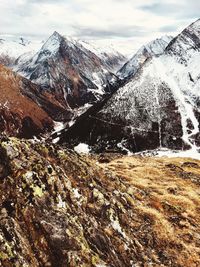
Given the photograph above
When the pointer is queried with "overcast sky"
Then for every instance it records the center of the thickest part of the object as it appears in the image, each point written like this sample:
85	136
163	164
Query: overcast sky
117	20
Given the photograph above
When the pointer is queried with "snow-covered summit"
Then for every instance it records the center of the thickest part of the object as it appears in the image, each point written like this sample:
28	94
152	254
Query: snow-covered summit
64	67
164	92
53	43
186	43
157	46
12	48
153	48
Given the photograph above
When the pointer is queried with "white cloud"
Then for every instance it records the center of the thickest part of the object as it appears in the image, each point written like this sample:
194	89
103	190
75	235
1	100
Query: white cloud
138	20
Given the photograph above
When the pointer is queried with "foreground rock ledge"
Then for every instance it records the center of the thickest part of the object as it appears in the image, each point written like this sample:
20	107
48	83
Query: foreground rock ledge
62	209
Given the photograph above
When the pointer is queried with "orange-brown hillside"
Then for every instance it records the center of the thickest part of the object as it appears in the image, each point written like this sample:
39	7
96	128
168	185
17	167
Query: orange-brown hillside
19	114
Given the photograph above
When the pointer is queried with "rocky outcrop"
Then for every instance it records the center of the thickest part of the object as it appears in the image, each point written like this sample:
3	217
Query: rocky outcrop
58	208
184	45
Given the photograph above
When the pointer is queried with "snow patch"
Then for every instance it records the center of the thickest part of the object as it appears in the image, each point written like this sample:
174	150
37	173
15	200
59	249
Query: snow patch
58	126
165	152
76	193
192	153
82	148
61	204
55	140
121	145
28	175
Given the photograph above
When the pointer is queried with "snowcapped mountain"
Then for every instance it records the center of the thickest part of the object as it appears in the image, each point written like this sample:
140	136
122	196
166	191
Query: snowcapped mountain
157	107
186	43
65	68
12	48
154	48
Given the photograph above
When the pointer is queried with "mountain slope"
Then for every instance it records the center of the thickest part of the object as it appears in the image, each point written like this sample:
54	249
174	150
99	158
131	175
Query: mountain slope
62	209
154	48
69	71
110	57
158	107
184	45
113	60
19	115
25	110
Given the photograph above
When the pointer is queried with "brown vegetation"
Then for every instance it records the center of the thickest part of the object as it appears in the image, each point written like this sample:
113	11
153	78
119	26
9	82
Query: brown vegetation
14	104
59	209
166	203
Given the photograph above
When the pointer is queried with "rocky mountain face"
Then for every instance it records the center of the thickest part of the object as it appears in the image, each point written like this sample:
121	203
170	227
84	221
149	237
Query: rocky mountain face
67	70
24	109
186	43
154	48
158	107
62	209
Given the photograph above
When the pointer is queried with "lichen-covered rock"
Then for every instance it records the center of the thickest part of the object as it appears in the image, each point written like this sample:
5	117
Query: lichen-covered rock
58	208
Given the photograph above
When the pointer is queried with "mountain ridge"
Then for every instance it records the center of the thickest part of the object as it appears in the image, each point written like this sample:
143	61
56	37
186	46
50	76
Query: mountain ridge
158	106
75	74
153	48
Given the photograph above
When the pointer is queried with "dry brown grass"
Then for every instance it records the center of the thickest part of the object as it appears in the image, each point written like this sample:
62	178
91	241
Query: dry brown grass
166	196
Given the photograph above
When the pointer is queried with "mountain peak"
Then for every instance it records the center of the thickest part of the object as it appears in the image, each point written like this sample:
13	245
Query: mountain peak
69	70
195	25
56	34
53	43
153	48
187	42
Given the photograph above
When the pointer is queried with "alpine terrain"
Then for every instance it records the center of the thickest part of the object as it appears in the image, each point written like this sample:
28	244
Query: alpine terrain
62	209
66	69
154	48
68	78
157	107
99	152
